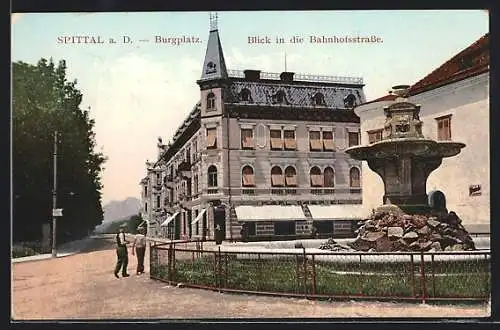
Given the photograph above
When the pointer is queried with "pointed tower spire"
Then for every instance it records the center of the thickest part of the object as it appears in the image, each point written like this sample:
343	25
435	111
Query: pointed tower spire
214	66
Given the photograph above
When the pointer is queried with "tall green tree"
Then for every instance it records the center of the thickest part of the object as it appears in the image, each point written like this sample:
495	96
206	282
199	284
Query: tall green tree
44	101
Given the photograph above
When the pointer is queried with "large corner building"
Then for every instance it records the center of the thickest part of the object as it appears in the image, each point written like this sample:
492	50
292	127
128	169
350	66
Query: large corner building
259	148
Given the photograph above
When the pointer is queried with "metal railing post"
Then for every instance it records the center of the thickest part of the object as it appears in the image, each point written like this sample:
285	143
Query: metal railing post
433	277
313	274
412	271
304	265
360	275
170	261
422	278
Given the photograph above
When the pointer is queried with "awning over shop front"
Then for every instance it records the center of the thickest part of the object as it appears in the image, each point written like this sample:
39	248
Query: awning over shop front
337	212
270	213
169	219
199	216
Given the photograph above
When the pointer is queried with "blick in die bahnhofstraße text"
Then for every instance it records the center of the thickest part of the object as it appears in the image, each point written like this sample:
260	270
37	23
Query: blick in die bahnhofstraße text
316	39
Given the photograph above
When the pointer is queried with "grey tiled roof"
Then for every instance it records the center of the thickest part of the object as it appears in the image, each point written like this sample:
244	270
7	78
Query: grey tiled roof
214	66
294	95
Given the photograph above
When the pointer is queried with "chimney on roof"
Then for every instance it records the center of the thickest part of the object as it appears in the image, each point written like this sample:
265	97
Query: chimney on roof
286	76
252	75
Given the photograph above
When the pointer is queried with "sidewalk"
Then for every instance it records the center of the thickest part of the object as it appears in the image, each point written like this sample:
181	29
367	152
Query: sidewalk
63	250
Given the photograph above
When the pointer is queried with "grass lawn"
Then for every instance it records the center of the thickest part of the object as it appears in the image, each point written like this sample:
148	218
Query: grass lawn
469	278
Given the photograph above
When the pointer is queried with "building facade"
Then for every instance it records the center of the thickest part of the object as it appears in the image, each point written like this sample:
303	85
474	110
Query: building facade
260	149
454	103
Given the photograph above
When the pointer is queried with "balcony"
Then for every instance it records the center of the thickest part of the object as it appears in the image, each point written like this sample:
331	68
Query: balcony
168	182
157	185
169	208
184	170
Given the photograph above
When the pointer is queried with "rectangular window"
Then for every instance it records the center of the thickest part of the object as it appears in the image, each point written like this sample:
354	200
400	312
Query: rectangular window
328	144
290	143
291	180
195	184
248	180
284	228
353	139
323	227
315	141
316	180
276	141
197	232
211	138
195	150
251	228
444	128
247	138
277	180
374	136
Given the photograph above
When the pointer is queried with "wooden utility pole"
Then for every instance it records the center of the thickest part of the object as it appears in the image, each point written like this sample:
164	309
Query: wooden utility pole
54	199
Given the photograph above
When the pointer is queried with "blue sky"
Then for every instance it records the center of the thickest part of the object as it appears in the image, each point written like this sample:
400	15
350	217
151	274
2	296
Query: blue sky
140	91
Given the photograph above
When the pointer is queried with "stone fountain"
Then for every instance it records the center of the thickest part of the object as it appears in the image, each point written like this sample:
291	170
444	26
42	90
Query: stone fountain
404	159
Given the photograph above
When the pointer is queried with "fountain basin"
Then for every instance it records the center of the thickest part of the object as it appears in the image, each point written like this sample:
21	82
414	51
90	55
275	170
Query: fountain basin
401	147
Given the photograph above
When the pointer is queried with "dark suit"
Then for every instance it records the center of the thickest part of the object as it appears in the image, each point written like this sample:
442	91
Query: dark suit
122	255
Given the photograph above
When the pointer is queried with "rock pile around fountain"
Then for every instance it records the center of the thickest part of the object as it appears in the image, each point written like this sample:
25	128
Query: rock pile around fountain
387	231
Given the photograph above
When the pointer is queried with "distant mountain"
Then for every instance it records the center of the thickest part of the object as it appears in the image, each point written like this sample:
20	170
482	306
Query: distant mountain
118	210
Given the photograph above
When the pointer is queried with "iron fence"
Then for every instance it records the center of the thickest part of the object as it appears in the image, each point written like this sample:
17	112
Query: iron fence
392	275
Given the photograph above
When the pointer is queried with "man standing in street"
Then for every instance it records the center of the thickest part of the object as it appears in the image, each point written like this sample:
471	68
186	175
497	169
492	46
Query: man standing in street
121	253
139	247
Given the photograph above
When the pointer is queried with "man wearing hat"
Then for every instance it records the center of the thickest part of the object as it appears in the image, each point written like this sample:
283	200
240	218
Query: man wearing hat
139	247
121	252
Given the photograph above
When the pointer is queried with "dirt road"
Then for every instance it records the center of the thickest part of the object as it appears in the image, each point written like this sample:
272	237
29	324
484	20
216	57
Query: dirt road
82	286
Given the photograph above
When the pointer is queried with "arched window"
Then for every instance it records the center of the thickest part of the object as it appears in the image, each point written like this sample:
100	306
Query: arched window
354	178
212	176
247	177
276	177
290	177
210	101
316	177
329	177
245	95
319	99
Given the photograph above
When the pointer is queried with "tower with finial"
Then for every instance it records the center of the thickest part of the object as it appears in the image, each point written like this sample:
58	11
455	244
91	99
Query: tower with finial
213	85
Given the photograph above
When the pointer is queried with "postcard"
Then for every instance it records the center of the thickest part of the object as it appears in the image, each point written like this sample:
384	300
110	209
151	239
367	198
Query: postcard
247	165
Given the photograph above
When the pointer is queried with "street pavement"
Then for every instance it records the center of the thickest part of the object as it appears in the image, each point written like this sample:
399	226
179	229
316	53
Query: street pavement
81	286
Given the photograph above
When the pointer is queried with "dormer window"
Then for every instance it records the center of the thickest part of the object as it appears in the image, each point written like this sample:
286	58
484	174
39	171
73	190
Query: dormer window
245	95
319	99
211	68
280	97
210	101
350	101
